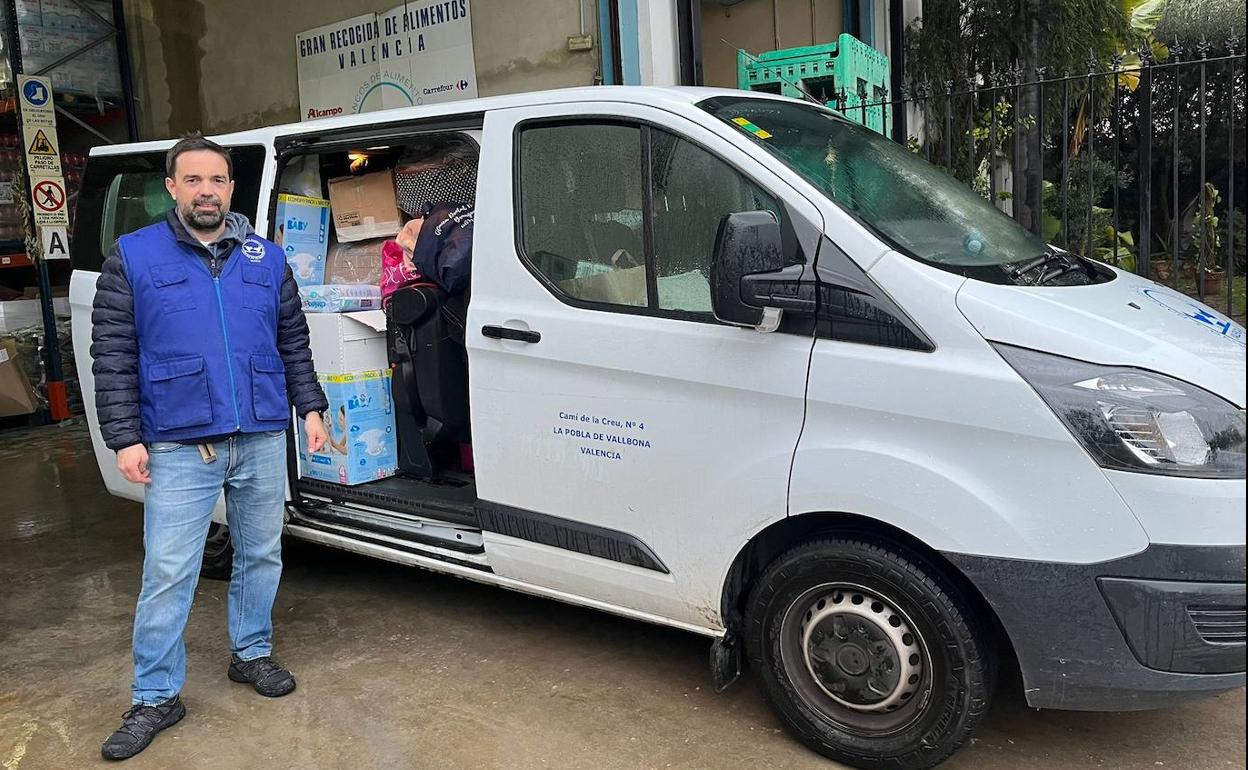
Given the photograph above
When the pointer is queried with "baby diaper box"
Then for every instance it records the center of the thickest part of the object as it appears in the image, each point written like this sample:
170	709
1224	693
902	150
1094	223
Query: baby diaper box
362	442
303	233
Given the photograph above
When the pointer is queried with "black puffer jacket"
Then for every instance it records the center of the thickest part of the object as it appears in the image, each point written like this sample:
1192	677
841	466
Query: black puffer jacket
115	348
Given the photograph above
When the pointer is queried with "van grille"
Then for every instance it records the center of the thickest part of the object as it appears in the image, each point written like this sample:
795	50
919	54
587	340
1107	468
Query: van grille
1218	625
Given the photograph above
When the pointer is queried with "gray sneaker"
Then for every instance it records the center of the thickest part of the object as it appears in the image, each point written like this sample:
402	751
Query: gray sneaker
139	726
265	674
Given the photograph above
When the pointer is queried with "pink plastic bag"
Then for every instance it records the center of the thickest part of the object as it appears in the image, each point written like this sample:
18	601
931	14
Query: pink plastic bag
397	270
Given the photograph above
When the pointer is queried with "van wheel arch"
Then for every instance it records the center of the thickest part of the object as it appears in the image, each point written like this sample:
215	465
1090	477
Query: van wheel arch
752	561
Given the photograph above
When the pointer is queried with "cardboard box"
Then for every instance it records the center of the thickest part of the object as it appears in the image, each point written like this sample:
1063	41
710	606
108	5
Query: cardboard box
348	342
16	395
303	234
363	444
358	262
364	206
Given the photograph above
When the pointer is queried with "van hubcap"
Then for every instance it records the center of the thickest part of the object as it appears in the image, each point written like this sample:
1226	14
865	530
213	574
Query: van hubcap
858	654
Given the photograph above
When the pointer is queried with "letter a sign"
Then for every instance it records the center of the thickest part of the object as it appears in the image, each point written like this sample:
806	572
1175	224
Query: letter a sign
55	243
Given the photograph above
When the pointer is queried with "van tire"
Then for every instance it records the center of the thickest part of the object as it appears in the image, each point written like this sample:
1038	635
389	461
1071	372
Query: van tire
796	623
218	561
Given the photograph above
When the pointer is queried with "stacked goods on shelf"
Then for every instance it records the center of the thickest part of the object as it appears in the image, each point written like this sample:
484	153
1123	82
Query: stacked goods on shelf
10	210
50	30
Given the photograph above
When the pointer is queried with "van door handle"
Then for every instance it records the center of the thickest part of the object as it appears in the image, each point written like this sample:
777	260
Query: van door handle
507	333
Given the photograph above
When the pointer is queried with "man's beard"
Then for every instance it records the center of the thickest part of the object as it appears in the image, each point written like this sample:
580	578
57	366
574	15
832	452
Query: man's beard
205	221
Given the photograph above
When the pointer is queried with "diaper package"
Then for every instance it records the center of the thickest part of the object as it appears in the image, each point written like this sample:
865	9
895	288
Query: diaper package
303	234
340	298
362	442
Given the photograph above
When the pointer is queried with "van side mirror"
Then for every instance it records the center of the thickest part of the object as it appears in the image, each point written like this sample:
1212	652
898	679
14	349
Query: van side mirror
748	276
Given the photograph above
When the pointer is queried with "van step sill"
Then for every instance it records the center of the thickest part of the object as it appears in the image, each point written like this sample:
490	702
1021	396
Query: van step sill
454	505
431	534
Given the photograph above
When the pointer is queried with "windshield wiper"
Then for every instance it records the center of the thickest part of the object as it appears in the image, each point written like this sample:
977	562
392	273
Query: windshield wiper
1070	267
1044	260
1067	262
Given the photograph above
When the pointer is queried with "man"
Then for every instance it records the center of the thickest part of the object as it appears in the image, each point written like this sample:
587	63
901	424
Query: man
200	348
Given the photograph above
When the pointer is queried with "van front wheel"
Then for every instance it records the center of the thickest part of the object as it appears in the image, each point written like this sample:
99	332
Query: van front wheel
218	553
868	654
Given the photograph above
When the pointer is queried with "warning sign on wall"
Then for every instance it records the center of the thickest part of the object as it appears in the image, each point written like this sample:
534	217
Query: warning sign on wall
42	156
41	145
48	196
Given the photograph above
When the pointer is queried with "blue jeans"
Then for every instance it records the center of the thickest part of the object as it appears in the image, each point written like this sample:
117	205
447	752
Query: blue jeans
177	510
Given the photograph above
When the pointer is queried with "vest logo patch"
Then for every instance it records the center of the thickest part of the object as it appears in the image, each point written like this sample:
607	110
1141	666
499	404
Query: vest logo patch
253	249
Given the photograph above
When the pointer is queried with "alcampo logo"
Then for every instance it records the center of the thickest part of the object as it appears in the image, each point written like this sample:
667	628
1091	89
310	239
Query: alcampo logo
314	113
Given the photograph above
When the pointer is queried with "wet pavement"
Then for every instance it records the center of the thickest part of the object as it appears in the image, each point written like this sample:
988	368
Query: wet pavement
401	668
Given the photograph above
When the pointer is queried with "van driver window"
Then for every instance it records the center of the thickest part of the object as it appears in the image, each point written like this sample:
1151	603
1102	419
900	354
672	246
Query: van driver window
692	193
581	205
584	200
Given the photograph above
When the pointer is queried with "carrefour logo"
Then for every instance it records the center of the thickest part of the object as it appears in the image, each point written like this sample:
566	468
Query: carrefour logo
462	85
1207	318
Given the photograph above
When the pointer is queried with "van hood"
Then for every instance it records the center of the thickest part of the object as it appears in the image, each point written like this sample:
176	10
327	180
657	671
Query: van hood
1129	321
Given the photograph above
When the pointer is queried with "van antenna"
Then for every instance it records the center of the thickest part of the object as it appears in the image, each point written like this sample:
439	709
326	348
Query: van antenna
795	83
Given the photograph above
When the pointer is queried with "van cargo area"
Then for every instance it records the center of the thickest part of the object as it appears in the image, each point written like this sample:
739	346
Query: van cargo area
396	378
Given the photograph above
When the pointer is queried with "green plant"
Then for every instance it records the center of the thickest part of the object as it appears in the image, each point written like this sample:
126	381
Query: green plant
981	135
1114	247
1206	233
1081	199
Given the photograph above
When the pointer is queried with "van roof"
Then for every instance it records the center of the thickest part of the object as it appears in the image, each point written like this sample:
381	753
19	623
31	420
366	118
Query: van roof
674	97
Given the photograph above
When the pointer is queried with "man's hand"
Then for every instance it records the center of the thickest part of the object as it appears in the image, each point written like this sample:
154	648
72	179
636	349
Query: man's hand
314	426
132	462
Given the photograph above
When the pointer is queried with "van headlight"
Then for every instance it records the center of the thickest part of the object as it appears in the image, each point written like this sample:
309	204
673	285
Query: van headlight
1136	420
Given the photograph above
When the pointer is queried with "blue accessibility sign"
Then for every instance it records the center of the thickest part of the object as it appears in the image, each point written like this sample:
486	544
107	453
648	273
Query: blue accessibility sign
35	93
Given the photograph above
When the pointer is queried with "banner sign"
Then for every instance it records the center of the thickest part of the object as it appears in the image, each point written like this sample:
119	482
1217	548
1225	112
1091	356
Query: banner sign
416	53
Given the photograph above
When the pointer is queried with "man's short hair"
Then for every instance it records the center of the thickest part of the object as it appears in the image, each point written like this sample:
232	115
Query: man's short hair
196	141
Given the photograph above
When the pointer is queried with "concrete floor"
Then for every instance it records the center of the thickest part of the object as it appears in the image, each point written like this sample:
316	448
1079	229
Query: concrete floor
399	668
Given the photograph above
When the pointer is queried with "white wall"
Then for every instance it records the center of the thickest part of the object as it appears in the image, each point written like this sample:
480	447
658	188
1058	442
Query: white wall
658	42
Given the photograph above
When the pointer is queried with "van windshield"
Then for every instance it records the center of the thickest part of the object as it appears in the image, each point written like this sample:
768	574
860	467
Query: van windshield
914	206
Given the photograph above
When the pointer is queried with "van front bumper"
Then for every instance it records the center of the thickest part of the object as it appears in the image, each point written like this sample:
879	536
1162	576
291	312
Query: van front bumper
1152	630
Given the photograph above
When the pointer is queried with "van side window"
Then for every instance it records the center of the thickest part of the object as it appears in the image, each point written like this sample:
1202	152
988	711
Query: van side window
692	193
625	215
122	193
132	201
581	209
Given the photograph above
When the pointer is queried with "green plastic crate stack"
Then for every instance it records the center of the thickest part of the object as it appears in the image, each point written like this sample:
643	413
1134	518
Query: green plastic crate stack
838	74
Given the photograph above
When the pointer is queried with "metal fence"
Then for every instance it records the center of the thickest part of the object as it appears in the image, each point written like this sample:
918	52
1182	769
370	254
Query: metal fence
1139	163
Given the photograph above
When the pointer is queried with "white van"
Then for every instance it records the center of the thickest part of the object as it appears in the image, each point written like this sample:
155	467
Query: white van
739	366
